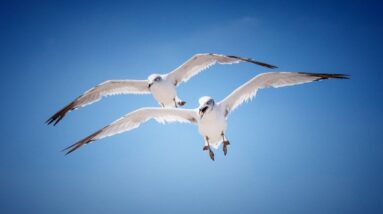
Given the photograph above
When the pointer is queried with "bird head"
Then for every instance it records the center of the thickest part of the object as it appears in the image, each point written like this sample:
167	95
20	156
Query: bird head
153	79
206	104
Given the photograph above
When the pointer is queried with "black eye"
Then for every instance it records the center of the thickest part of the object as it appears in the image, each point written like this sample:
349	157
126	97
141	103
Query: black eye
157	79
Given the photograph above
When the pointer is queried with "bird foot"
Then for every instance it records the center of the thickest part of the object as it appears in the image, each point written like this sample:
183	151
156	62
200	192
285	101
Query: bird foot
224	150
211	154
181	103
225	144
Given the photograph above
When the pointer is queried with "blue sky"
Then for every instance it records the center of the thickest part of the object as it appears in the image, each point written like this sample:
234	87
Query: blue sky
314	148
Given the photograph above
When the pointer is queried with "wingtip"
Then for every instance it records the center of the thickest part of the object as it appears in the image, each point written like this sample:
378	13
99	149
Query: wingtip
49	121
72	148
58	120
58	116
345	76
68	152
80	143
322	76
263	64
271	66
54	120
254	62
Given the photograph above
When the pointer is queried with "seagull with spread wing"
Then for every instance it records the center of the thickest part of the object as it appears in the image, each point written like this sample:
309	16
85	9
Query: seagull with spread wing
210	117
162	87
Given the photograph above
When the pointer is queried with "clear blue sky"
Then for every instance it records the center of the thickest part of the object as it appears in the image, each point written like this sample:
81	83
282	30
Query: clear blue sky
314	148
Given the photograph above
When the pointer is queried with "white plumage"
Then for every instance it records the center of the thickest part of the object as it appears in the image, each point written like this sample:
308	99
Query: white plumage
162	87
210	117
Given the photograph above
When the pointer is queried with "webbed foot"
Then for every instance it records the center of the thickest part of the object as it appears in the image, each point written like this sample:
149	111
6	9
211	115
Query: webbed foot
225	144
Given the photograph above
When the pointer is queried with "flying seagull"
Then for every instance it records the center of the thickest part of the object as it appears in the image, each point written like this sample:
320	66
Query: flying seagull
161	86
210	117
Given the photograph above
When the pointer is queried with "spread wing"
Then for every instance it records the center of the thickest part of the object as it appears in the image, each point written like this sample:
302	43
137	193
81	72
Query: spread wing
134	119
107	88
200	62
272	79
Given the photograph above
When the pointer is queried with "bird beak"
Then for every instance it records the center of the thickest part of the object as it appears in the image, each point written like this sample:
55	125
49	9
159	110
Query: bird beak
202	111
150	85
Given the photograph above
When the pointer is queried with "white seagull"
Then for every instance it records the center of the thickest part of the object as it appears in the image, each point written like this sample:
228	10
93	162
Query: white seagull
210	117
161	86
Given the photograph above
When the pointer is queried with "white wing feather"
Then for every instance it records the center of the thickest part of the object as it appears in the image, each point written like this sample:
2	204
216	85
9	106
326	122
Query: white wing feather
134	119
200	62
272	79
112	87
107	88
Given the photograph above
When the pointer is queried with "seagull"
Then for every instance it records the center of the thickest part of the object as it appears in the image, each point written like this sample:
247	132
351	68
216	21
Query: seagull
210	117
161	86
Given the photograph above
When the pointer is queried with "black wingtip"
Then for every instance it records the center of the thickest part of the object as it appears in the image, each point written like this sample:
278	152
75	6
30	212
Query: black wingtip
322	76
74	147
67	148
58	116
254	62
82	142
54	120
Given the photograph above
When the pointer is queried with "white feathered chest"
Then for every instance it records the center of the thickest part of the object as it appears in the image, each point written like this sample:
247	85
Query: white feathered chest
164	92
212	124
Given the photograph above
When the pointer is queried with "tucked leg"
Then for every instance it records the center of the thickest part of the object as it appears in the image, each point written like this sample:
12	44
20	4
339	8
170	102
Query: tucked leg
225	144
175	102
180	102
207	147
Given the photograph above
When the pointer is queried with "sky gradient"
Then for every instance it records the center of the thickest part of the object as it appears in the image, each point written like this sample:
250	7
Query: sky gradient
313	148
